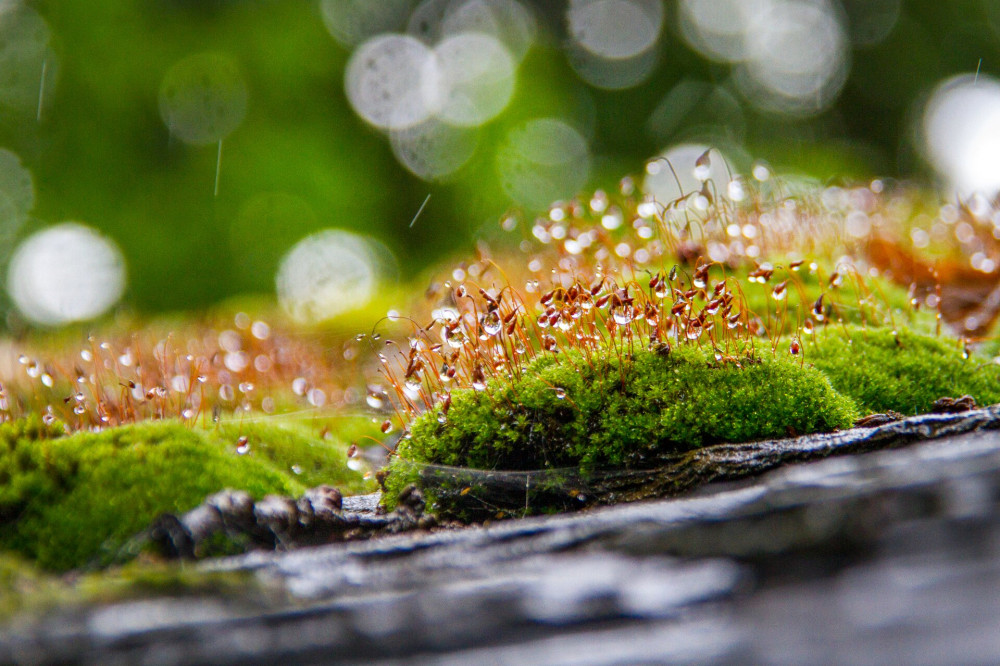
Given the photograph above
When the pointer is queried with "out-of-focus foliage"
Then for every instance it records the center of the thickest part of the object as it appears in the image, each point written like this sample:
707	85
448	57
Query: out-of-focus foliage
206	139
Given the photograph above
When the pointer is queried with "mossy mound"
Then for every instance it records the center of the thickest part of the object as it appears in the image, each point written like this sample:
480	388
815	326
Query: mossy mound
902	371
872	301
69	501
568	411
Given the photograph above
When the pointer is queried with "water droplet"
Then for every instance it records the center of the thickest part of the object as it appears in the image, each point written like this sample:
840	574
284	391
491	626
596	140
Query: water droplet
560	393
623	314
226	392
296	469
243	445
375	399
442	419
47	380
260	330
299	386
316	397
491	323
245	387
780	291
808	327
386	427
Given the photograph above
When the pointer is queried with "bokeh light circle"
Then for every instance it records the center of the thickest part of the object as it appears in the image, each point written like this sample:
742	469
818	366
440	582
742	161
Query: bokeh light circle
385	81
66	273
433	150
797	57
542	160
470	77
961	133
331	272
203	98
506	20
615	29
613	43
661	182
17	194
25	53
350	22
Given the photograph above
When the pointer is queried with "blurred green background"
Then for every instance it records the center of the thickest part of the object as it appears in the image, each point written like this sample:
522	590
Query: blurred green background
86	89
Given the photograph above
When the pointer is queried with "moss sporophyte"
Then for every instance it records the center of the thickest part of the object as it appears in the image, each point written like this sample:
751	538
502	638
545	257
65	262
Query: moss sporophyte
629	344
621	334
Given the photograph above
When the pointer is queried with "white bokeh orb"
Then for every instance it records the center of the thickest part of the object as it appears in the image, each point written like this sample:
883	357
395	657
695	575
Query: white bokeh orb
961	133
385	81
470	78
329	273
65	273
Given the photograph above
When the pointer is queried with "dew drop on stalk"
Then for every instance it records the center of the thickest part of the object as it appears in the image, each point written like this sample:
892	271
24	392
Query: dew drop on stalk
187	414
441	418
243	445
299	385
694	330
374	399
47	380
386	427
560	393
79	410
817	309
794	348
807	326
226	392
491	323
780	291
623	314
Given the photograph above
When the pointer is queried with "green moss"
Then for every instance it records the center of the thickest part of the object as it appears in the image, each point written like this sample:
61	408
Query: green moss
75	500
618	413
904	372
876	301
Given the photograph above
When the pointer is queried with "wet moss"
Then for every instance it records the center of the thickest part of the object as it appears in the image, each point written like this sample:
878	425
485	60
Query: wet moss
69	501
621	411
903	371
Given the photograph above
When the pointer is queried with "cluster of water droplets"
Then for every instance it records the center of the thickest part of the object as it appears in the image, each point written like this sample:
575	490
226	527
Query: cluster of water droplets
201	373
